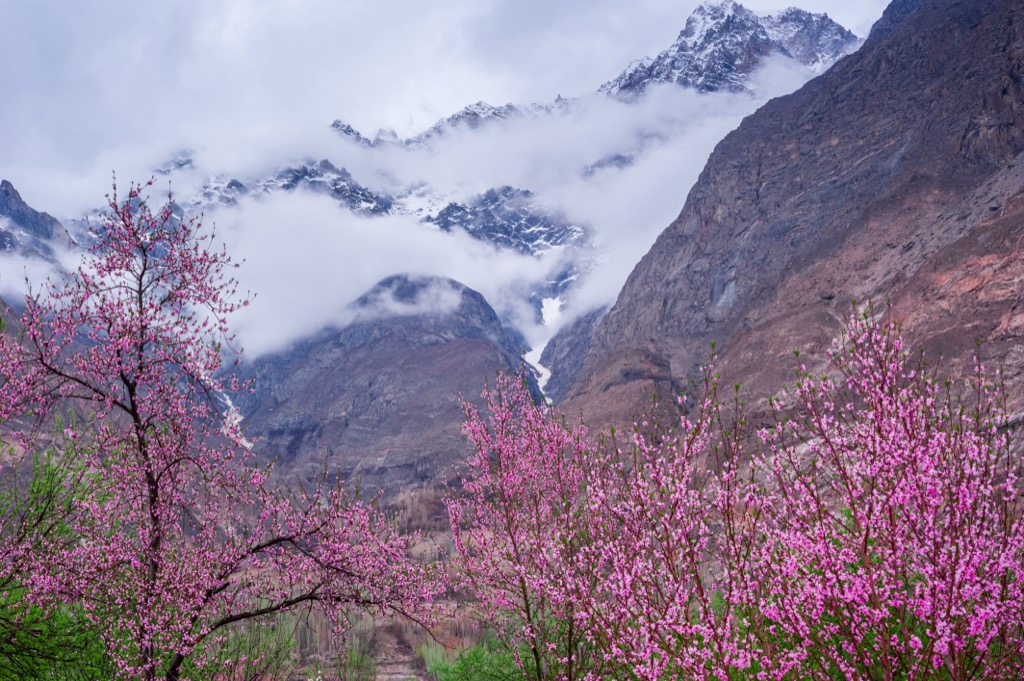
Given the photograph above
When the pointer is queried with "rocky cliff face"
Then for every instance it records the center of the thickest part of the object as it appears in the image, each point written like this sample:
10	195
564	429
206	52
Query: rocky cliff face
895	175
24	229
564	353
378	400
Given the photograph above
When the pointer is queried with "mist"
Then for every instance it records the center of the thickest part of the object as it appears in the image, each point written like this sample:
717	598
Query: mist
307	258
244	89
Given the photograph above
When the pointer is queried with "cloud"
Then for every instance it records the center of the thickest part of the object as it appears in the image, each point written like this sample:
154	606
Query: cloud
118	85
668	135
306	259
431	296
247	86
20	275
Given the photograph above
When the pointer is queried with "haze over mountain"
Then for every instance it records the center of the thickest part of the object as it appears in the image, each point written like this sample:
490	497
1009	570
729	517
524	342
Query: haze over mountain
511	220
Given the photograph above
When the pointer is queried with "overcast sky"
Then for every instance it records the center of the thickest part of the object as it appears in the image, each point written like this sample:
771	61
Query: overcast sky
90	86
87	88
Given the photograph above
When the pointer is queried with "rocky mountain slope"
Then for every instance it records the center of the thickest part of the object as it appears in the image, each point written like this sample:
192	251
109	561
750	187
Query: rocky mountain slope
897	175
24	230
378	400
564	354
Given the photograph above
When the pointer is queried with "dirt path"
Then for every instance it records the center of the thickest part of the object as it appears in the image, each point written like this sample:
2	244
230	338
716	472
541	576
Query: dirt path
396	660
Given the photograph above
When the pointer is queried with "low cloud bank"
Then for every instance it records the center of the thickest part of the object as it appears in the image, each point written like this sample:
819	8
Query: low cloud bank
306	260
217	82
622	170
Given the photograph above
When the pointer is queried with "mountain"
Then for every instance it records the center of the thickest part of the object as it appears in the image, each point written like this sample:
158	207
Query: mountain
723	43
316	176
25	230
378	400
564	354
481	114
897	175
511	218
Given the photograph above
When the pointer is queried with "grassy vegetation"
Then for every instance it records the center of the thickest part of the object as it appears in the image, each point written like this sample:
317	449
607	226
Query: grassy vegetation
487	660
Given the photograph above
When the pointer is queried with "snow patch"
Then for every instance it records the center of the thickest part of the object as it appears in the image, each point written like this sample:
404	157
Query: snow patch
551	311
543	373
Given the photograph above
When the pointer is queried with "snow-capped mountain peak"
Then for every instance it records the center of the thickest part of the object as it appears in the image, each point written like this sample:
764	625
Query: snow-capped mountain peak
812	39
708	20
481	113
513	219
346	130
723	42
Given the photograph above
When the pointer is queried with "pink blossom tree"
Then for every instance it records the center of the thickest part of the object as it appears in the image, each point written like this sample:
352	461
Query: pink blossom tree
593	558
873	533
184	539
672	514
517	527
896	548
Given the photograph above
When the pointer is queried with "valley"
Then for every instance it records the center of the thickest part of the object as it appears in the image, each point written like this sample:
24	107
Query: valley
764	194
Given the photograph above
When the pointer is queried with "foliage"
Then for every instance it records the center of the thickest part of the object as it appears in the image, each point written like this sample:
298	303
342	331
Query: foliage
53	644
896	547
261	648
185	538
485	661
356	661
515	529
874	532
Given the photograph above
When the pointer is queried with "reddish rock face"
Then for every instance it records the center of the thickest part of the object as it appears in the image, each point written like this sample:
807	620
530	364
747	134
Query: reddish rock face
971	290
896	176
